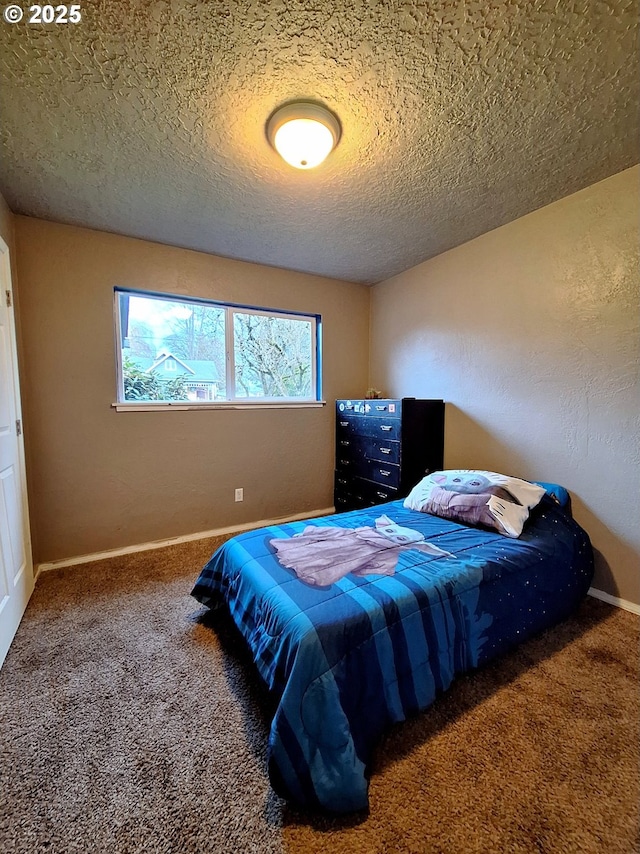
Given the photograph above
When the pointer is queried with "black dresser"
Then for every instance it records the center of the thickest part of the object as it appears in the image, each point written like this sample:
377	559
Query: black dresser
384	447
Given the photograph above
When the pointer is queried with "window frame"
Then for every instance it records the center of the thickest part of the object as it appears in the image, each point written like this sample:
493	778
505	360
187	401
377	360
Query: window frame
230	309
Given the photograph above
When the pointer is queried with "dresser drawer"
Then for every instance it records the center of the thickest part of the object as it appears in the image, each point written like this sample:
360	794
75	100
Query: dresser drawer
369	493
350	465
349	425
344	489
349	445
344	501
383	408
387	451
343	481
381	428
368	426
384	473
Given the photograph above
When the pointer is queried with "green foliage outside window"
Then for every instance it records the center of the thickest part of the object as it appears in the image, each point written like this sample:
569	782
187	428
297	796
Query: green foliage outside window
146	385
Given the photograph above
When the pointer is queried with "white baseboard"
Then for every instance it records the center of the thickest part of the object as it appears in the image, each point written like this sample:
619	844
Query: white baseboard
235	529
187	538
614	600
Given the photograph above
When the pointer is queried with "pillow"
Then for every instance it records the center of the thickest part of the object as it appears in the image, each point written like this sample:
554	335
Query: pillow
477	498
557	492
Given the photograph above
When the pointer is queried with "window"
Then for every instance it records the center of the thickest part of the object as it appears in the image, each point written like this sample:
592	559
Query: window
192	351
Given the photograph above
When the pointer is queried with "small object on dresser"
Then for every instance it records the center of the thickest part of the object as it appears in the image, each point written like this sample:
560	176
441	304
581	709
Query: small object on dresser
373	394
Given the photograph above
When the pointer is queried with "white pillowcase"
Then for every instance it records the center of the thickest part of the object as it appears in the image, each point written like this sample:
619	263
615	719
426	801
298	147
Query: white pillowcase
477	498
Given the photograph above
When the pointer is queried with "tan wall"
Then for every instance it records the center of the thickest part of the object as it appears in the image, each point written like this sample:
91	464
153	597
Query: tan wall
530	333
100	479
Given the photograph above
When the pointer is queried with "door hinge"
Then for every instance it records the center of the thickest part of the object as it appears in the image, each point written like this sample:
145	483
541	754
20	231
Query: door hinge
8	293
19	427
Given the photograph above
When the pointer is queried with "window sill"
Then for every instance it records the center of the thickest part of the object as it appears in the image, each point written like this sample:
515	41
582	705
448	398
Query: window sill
150	406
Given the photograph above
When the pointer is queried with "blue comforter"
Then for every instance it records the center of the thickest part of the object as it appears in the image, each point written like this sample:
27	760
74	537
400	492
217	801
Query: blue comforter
349	653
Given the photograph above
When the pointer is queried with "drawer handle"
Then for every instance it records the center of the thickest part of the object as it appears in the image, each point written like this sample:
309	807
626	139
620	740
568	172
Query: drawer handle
382	494
385	450
386	427
345	442
381	408
384	473
344	423
345	462
343	481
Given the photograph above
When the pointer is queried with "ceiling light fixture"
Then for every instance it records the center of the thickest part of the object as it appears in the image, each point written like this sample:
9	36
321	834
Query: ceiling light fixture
303	133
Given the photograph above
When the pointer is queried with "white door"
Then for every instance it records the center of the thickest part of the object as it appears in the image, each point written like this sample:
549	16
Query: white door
16	568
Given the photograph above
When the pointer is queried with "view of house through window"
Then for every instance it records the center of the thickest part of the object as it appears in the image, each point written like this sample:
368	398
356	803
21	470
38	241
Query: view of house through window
176	349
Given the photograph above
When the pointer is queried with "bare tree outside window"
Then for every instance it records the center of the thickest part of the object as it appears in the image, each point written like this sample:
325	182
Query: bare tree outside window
273	356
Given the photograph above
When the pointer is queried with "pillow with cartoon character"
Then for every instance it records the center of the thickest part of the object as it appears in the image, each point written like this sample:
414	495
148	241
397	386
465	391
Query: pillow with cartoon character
477	498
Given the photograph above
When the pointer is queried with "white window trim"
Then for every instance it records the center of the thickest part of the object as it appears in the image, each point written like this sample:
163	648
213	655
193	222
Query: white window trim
153	406
121	405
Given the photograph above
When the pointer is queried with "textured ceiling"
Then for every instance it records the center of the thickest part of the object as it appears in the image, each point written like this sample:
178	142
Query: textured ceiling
148	119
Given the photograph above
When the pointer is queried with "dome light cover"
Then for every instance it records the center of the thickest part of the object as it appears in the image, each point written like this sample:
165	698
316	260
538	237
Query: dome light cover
303	133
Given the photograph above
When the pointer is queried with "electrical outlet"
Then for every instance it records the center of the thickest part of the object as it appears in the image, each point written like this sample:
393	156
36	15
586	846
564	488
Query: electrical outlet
240	494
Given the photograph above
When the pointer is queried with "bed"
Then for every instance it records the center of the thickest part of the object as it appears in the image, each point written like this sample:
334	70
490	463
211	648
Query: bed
360	619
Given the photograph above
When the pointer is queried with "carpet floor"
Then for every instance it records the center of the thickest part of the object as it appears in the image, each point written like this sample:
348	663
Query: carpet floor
132	720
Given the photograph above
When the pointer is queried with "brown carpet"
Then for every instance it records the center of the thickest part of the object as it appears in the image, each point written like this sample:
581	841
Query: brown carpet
130	723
